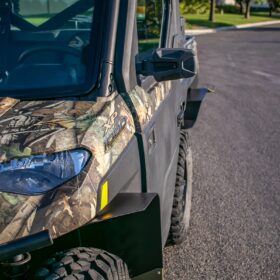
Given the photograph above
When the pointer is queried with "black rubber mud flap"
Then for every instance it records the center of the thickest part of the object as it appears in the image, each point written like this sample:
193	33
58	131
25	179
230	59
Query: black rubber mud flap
130	228
195	97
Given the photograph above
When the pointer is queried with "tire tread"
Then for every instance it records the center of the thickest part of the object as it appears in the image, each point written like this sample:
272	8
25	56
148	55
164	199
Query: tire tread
83	264
178	227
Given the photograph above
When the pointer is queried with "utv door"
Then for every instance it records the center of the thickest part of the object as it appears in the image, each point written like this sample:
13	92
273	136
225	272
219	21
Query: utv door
156	106
160	133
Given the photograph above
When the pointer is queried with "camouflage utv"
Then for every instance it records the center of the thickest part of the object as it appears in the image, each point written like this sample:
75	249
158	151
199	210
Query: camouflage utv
96	98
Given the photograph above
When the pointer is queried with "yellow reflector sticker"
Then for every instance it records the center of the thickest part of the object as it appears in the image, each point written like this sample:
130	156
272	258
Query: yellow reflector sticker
104	195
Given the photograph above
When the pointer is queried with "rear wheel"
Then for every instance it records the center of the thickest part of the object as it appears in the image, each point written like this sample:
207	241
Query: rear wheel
83	264
180	217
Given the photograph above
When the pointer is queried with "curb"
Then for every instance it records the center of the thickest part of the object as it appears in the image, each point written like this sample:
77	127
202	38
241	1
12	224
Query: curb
227	28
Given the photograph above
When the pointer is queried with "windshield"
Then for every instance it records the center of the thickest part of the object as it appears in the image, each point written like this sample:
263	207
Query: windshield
45	44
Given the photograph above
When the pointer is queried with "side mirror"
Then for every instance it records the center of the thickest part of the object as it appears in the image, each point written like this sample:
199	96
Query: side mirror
169	64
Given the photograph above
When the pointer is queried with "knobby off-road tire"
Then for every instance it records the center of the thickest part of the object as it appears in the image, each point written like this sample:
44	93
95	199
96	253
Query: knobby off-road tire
83	264
180	217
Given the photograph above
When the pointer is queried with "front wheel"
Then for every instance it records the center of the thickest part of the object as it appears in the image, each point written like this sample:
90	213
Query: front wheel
85	264
180	217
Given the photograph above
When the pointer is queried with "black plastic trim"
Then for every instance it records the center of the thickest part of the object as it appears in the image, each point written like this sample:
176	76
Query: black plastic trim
126	47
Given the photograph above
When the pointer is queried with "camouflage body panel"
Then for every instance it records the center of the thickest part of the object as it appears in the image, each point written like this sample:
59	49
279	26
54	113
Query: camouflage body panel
144	104
39	127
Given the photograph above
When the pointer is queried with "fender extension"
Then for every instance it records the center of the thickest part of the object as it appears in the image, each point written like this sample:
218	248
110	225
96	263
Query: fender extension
195	97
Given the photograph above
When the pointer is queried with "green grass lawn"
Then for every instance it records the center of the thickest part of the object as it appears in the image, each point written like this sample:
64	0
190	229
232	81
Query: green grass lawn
199	21
37	20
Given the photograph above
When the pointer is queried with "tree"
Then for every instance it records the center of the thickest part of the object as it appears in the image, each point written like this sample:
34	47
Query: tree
195	6
212	10
273	5
276	4
241	6
247	8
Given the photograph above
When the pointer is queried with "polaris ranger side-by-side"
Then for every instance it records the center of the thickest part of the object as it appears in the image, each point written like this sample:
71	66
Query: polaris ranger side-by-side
96	98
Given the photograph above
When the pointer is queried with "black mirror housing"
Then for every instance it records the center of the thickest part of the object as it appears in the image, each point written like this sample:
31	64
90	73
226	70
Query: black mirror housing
169	64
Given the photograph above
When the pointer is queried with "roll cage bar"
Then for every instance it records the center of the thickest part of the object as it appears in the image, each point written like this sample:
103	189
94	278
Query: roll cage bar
51	24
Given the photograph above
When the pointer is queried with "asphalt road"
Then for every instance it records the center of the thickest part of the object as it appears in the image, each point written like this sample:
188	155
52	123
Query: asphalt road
235	225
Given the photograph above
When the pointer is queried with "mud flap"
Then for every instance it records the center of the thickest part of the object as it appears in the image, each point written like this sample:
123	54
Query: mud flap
130	228
195	97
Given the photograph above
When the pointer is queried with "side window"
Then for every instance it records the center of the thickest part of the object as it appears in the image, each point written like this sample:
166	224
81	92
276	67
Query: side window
149	21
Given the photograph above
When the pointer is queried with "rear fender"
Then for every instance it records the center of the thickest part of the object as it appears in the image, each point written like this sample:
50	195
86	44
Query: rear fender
194	100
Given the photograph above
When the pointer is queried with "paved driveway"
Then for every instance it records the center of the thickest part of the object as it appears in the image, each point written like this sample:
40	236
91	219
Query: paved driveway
235	226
